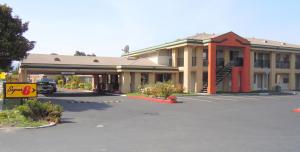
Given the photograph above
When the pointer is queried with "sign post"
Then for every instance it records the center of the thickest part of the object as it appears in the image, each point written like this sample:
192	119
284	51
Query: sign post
1	94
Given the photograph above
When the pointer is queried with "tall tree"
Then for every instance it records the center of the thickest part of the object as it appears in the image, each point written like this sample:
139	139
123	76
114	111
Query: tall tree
78	53
13	45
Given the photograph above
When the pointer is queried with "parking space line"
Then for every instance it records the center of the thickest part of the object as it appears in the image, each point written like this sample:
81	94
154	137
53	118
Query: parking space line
218	98
195	99
244	97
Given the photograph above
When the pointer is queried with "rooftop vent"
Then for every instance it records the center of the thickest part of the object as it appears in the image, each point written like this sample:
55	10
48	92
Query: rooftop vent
56	59
95	60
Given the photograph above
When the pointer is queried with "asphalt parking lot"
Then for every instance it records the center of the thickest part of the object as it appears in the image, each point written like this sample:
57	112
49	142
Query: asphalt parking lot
199	123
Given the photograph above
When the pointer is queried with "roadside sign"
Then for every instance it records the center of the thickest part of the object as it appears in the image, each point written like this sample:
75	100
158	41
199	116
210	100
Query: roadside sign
2	75
20	90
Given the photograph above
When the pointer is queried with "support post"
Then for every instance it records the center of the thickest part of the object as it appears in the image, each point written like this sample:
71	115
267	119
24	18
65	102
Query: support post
95	83
272	75
125	82
235	79
187	69
199	72
292	77
211	88
137	80
174	57
245	75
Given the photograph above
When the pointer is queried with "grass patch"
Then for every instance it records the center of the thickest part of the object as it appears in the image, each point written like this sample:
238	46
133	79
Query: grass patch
13	118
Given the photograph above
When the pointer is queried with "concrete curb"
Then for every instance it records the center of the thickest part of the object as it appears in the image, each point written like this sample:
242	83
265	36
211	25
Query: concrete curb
38	127
43	126
249	94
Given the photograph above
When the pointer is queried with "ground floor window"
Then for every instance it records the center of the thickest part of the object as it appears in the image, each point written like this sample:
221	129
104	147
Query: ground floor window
163	77
282	80
144	78
261	81
181	77
205	78
298	82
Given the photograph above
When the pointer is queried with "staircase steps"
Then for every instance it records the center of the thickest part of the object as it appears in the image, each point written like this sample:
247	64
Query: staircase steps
221	74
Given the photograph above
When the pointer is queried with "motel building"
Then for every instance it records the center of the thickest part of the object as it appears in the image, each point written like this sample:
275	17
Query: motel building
207	63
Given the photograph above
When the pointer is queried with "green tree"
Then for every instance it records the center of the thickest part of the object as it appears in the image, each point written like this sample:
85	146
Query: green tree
13	45
78	53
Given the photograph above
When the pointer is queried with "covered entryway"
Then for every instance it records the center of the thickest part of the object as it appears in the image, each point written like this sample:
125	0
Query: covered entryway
109	74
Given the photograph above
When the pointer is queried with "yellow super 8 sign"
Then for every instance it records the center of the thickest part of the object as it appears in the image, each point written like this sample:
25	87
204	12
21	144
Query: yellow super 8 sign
20	90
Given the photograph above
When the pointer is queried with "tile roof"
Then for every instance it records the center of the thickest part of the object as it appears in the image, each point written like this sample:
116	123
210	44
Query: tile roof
253	41
86	60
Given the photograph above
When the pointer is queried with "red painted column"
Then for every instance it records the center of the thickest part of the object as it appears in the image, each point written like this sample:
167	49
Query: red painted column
235	79
245	74
211	88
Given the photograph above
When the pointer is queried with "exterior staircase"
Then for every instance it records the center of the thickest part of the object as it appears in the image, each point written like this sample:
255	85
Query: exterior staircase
222	73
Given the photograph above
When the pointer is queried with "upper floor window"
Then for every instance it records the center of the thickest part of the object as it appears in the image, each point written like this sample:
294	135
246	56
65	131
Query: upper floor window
283	61
180	59
261	60
205	57
194	58
298	61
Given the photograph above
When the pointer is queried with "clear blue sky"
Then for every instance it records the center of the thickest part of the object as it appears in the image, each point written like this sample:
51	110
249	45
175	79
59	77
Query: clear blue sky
105	27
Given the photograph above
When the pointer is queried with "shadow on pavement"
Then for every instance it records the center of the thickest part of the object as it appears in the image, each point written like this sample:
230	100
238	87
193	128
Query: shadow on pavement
66	120
72	105
77	94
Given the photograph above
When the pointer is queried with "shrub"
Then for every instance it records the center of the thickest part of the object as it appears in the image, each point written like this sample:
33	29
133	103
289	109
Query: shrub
74	85
166	89
36	110
68	86
60	83
178	89
81	85
159	89
88	86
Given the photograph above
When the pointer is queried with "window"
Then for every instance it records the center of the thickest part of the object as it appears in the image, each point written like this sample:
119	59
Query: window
144	78
180	59
194	58
283	61
163	77
205	57
181	77
285	80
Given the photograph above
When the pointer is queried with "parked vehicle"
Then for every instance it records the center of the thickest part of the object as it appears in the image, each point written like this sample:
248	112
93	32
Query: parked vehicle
46	86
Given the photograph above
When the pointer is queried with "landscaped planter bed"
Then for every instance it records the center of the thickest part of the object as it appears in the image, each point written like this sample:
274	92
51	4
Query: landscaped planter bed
32	114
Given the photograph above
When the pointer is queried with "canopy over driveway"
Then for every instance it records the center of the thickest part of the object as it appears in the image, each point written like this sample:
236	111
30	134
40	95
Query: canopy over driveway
125	70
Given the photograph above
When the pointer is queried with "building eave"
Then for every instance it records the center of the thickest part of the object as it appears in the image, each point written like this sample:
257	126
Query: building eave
164	46
270	47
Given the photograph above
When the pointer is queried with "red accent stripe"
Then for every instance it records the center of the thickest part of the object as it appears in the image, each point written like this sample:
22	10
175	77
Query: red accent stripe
296	110
152	99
